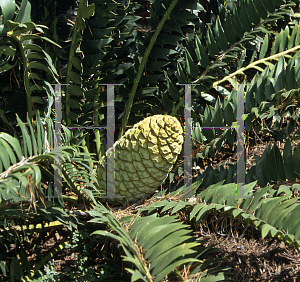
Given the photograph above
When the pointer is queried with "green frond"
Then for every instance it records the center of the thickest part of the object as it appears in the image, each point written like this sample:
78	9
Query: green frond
272	214
154	251
265	214
24	165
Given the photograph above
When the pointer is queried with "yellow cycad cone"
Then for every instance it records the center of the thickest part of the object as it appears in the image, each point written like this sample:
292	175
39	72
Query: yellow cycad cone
144	156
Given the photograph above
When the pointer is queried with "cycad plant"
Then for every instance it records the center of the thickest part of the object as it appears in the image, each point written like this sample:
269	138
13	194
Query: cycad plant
250	42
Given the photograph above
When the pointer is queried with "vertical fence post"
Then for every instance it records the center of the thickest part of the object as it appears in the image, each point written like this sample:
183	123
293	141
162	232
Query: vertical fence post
240	133
57	144
110	132
187	138
241	170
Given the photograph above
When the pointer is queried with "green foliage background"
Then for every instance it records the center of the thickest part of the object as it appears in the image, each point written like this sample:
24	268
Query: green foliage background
149	48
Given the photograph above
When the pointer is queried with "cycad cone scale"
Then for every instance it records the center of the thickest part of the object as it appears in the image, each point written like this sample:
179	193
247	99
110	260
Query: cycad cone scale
144	156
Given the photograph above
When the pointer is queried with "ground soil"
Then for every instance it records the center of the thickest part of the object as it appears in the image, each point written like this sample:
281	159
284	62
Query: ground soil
251	257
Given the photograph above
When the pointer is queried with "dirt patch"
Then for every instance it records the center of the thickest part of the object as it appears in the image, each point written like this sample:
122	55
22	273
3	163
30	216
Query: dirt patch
253	258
